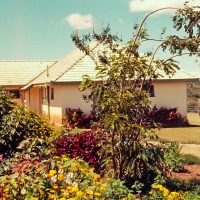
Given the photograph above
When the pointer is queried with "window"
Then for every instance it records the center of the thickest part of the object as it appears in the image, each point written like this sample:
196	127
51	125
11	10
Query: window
149	88
151	91
15	93
52	93
44	95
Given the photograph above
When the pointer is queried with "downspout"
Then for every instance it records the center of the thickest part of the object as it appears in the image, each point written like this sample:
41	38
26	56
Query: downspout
48	102
29	98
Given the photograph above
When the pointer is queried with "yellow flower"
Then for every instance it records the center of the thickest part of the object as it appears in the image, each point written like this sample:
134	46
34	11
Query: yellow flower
89	191
108	179
65	194
74	189
15	185
103	187
63	198
82	169
34	198
41	192
53	172
150	192
52	191
62	190
6	189
160	187
6	176
60	177
91	169
175	194
65	159
56	157
79	193
165	192
96	177
97	194
55	187
53	196
69	187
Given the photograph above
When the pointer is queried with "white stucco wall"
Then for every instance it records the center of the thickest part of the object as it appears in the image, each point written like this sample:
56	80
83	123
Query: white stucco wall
32	99
65	96
171	94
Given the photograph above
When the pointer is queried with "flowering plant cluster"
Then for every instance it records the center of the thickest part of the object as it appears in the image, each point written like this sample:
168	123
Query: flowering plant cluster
18	125
74	117
160	192
57	178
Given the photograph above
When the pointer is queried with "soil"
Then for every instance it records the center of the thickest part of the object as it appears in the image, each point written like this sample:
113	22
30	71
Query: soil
190	172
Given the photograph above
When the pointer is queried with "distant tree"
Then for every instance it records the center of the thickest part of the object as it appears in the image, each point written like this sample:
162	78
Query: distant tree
120	92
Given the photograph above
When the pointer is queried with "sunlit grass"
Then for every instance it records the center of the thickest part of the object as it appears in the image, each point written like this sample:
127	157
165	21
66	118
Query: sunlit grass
189	135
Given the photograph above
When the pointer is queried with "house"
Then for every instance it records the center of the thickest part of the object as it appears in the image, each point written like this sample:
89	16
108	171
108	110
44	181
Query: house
49	87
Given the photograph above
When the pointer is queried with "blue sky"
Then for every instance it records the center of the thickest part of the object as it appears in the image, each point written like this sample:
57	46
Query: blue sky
41	29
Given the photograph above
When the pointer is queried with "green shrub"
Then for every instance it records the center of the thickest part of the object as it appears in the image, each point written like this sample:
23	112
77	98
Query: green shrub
5	103
172	156
18	125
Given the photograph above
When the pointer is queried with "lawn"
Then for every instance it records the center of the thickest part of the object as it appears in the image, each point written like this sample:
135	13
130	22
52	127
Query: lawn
184	134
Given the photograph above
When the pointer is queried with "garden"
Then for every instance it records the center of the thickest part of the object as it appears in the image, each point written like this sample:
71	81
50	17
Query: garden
112	157
41	162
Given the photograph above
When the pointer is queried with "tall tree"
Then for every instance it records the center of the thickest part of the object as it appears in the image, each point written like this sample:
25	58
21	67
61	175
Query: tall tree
121	89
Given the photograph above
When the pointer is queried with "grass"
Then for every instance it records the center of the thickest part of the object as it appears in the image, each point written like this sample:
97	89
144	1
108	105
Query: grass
189	135
190	159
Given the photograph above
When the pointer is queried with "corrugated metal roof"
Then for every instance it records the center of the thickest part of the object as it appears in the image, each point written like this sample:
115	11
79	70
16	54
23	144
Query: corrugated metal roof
21	72
60	70
69	69
179	75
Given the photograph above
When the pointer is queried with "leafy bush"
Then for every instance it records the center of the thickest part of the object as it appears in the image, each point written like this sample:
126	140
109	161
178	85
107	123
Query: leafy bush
5	103
172	156
18	125
83	145
167	117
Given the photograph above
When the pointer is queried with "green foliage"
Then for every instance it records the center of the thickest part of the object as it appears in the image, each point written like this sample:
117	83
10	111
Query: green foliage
18	125
172	156
5	103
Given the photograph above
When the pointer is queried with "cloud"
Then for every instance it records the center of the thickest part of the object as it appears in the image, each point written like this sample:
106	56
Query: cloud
151	5
80	22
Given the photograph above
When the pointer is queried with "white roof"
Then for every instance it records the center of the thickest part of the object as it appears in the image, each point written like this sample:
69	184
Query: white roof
20	73
69	69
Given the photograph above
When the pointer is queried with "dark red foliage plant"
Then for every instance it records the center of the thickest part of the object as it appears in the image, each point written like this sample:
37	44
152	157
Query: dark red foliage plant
167	117
84	145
